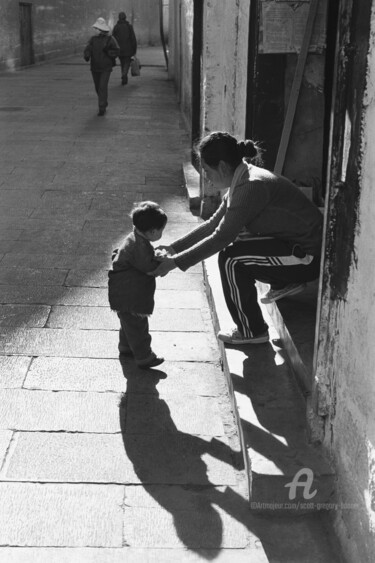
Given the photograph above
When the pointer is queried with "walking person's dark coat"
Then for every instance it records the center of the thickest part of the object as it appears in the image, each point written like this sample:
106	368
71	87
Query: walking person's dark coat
125	36
101	51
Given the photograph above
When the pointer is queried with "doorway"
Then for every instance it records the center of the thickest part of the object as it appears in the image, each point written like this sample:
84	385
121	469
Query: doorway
196	74
265	93
26	34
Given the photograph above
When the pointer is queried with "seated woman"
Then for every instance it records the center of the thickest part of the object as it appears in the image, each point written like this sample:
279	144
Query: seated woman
265	229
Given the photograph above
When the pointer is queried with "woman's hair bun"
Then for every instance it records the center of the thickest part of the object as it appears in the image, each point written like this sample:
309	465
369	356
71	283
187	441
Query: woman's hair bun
248	149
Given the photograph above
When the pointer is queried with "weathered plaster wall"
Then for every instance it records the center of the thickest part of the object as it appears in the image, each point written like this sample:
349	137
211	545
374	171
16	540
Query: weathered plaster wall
62	27
224	61
225	65
186	30
348	381
225	56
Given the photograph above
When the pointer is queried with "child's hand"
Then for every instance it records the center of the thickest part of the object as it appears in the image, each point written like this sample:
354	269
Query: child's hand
160	254
165	251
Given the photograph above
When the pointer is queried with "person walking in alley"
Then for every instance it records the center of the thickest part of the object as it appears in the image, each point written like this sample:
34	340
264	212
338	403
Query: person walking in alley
130	288
125	36
265	229
101	51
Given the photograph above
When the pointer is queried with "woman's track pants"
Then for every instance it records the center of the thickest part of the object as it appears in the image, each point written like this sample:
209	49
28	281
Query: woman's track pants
264	259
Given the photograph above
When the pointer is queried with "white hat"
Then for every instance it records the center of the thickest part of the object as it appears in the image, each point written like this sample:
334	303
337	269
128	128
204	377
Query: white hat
101	24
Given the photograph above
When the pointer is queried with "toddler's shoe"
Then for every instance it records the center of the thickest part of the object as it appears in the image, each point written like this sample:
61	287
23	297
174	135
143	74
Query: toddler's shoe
151	362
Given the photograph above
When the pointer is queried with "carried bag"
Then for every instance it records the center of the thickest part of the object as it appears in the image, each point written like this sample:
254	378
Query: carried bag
135	67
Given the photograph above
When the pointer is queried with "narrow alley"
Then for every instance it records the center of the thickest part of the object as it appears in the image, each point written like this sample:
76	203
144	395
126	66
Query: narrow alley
100	461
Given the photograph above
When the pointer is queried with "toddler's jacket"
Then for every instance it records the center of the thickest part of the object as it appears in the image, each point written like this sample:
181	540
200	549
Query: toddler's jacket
130	288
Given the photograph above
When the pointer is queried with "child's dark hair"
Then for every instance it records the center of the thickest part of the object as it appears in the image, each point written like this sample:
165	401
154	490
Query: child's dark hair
148	215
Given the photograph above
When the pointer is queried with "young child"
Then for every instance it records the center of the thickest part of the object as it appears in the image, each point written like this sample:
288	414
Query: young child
130	288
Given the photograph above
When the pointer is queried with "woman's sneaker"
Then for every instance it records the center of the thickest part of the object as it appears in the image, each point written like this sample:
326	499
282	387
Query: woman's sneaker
234	336
276	294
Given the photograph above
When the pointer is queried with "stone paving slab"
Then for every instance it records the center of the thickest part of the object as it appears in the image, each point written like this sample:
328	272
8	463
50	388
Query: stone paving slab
84	374
20	198
192	516
197	523
13	370
30	409
7	246
61	261
24	315
131	555
44	245
146	414
176	299
15	212
87	278
172	458
103	318
32	276
66	261
181	281
5	438
192	346
96	278
61	515
10	233
55	295
78	317
24	409
75	374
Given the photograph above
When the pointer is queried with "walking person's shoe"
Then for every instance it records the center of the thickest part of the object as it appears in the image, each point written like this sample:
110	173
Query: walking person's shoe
124	80
151	362
101	112
276	294
234	336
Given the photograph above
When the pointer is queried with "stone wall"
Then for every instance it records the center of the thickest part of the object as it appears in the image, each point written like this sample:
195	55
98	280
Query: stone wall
353	427
62	27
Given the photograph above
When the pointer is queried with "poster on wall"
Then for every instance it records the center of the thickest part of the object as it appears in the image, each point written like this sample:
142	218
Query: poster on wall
282	26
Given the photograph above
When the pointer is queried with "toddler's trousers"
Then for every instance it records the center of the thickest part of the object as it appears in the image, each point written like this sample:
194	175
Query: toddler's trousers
135	336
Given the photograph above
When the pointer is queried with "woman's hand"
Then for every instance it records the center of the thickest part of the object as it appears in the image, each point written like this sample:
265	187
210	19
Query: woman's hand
166	265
